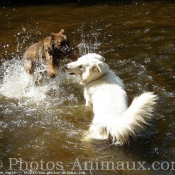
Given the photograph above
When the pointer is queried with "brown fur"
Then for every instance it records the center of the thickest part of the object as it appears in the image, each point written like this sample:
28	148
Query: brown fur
51	49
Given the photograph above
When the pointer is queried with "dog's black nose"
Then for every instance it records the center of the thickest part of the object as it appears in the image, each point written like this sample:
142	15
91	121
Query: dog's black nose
68	51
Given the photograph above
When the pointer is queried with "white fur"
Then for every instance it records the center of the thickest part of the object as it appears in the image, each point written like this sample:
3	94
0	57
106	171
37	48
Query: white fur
105	92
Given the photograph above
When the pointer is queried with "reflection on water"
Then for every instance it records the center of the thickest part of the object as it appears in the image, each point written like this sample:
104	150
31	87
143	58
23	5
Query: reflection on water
45	119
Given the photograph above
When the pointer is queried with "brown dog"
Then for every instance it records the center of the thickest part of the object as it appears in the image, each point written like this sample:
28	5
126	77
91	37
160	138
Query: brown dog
50	50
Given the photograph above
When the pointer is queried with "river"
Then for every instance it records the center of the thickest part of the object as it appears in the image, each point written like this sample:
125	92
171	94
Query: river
42	121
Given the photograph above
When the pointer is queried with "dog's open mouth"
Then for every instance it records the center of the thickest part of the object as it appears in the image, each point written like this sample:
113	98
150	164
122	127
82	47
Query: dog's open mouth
66	68
71	73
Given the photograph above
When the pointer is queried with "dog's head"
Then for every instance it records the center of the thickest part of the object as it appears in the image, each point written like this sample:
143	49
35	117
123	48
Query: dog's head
90	67
60	45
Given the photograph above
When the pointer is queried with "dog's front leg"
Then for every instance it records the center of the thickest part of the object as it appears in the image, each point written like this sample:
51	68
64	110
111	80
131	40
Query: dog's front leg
49	60
29	66
87	97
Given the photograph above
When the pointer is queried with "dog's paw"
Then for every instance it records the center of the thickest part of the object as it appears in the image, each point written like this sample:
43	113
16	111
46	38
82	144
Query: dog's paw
52	74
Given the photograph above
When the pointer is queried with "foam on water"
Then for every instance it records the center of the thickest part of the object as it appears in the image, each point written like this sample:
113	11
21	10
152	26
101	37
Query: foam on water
17	83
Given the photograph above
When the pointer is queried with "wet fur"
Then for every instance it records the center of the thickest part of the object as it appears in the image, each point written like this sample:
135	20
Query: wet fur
105	92
49	50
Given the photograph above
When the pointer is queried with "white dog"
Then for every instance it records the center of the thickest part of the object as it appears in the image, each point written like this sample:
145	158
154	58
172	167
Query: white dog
105	92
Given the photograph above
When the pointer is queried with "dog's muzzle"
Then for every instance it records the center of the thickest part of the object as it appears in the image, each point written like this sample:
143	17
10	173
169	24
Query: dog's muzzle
66	68
68	51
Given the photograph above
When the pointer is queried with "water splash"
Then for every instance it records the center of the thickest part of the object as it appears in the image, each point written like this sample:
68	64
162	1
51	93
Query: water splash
89	41
17	83
85	47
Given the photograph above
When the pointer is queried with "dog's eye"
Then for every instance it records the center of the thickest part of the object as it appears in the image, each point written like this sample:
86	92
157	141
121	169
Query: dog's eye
63	43
80	67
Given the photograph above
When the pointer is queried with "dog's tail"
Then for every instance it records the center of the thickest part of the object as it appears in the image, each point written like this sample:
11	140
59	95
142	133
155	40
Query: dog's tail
134	119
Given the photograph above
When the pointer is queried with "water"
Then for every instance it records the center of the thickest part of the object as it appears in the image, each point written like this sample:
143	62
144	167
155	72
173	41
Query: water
43	120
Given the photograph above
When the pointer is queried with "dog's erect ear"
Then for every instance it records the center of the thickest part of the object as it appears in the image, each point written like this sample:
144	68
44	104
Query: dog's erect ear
52	35
61	32
97	68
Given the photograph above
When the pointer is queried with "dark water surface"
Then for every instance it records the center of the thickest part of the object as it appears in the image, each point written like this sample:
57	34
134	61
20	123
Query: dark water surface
43	121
